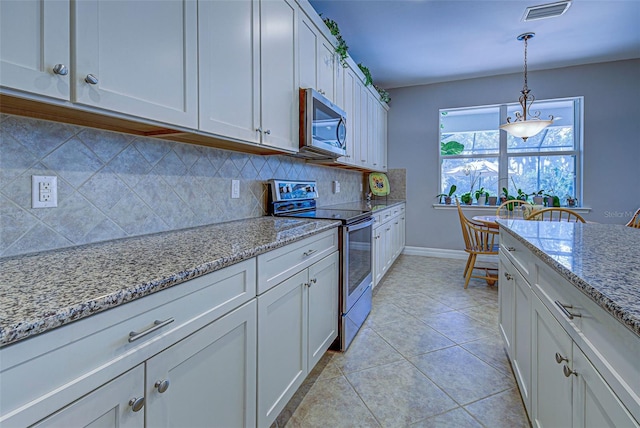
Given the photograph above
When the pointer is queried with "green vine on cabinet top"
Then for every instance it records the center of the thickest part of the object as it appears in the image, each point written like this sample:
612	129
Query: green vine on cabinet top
342	47
368	80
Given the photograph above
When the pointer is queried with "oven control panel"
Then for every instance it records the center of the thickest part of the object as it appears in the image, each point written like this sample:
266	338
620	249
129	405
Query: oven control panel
292	190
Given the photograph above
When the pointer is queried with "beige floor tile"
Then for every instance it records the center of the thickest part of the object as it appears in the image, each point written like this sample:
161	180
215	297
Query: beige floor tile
491	350
398	394
487	314
503	410
459	327
456	418
412	337
385	312
331	403
419	305
461	374
367	350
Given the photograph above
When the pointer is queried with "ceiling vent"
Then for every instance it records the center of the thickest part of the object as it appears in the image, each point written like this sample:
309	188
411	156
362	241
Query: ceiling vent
544	11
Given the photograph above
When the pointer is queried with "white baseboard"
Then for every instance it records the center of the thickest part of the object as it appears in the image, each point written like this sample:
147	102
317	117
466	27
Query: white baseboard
444	254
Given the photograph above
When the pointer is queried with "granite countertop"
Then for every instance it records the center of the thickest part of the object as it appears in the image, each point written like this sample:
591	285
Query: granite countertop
373	205
39	292
601	260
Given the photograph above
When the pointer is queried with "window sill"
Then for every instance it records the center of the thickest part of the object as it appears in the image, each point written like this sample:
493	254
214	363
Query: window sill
493	208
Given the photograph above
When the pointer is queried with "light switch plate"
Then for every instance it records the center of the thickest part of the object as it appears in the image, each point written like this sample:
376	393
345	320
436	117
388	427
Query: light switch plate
235	189
44	191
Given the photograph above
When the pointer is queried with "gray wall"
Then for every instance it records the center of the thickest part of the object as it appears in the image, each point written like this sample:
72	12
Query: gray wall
611	140
113	185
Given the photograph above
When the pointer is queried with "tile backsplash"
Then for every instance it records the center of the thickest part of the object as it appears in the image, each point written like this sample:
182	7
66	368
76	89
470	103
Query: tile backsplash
113	185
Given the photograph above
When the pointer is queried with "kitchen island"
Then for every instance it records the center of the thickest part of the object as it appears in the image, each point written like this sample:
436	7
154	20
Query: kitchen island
569	298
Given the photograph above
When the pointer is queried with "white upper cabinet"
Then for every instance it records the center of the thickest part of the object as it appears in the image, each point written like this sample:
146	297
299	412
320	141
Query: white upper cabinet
327	69
316	59
34	41
229	54
138	58
350	101
308	52
279	76
248	71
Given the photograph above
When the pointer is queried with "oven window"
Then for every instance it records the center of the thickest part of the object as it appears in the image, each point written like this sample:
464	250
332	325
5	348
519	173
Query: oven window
359	257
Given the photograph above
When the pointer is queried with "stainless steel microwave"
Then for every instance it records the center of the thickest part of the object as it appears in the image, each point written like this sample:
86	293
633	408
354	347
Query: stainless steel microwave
323	126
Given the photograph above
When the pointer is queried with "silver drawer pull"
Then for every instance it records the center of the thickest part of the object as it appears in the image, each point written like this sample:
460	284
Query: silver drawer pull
508	276
511	249
91	79
568	372
162	385
560	358
308	253
136	404
157	324
564	310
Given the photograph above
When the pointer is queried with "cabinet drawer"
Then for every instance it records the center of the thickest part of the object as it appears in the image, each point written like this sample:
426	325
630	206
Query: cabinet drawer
519	255
74	359
610	346
282	263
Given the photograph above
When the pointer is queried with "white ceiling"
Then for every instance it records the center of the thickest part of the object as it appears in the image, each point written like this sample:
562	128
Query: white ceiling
411	42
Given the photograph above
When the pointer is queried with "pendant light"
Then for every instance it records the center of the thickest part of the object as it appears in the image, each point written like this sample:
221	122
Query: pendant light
523	126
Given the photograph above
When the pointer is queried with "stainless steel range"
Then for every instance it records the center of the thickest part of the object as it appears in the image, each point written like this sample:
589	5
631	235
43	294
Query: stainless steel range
293	198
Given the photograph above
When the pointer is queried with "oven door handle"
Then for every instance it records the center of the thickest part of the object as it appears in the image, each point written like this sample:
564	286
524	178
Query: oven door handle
360	224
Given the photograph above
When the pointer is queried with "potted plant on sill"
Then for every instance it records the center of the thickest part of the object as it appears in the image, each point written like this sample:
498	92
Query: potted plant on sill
447	196
466	198
505	196
571	201
493	200
551	200
481	196
538	198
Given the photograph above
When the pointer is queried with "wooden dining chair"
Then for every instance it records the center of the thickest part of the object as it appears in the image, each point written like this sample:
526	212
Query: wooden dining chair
514	209
635	220
479	239
556	214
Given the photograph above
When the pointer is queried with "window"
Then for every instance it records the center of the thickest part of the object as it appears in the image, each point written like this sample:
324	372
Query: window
475	155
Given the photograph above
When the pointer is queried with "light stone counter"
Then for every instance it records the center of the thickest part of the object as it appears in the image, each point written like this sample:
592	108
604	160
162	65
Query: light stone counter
373	205
39	292
601	260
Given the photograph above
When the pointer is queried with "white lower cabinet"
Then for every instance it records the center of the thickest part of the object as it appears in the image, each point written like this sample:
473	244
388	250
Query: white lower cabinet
111	405
388	239
207	379
298	321
575	366
551	391
515	324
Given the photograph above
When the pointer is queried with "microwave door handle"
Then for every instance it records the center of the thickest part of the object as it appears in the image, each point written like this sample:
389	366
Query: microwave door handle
341	122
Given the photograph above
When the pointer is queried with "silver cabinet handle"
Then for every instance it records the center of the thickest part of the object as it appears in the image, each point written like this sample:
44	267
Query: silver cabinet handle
568	372
312	281
564	310
268	132
308	253
511	249
136	404
157	324
162	385
258	129
60	69
91	79
560	358
508	276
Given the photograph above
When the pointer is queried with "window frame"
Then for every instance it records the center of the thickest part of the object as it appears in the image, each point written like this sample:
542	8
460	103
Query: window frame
503	154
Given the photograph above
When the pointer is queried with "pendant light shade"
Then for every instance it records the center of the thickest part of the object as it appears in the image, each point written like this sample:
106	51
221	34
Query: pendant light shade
526	124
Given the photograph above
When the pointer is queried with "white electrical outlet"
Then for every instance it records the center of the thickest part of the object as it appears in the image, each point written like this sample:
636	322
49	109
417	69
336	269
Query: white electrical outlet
336	186
235	189
44	191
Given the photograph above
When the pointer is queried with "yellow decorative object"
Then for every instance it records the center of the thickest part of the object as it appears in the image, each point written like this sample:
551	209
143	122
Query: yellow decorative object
379	184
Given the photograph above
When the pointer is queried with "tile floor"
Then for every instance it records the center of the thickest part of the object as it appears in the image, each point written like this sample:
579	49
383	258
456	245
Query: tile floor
429	355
